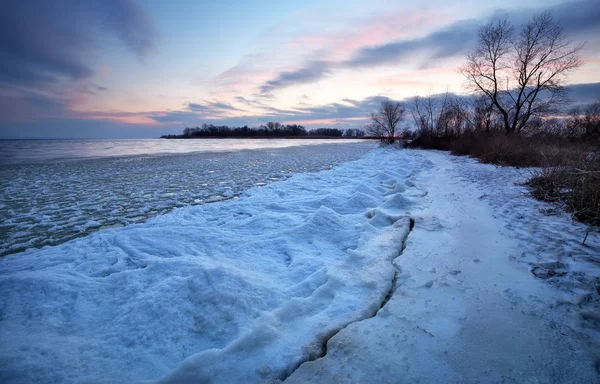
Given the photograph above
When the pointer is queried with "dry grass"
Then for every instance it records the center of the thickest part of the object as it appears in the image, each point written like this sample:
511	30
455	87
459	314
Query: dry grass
497	149
575	183
569	171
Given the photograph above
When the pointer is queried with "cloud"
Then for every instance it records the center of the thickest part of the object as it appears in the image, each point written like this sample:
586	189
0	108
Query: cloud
32	104
347	113
584	93
446	42
577	18
72	128
310	73
249	102
348	109
196	114
213	107
176	117
131	23
44	41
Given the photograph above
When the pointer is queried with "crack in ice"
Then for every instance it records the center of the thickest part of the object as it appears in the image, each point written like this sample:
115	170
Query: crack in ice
329	335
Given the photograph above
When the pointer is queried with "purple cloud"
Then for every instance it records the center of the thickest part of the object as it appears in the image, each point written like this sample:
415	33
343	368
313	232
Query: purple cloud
310	73
43	41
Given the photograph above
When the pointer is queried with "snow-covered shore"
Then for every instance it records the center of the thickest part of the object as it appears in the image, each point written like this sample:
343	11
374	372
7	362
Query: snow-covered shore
305	280
467	308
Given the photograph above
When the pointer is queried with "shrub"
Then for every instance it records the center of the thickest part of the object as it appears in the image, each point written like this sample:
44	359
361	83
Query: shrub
574	183
568	171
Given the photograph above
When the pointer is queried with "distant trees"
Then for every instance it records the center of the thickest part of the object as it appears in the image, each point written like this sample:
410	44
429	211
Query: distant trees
449	117
271	129
426	112
354	133
521	72
331	132
384	122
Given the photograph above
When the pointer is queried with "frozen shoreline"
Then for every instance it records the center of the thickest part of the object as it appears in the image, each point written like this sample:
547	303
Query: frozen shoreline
467	306
56	201
261	282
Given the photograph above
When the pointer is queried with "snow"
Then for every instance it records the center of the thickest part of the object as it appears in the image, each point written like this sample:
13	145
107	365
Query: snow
253	282
466	307
317	278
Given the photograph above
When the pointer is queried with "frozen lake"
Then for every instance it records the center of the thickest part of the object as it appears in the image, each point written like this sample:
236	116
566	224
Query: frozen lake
52	191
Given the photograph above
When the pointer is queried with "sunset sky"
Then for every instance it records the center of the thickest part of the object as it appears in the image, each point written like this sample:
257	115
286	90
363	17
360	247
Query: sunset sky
110	68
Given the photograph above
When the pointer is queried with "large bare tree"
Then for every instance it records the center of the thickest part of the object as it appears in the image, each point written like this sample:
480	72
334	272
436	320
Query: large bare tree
522	71
385	120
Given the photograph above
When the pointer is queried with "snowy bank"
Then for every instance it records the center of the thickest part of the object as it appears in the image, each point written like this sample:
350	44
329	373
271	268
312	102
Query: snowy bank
468	307
243	290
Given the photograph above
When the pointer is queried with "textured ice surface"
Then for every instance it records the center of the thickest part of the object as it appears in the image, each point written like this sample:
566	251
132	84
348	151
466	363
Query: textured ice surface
238	291
47	203
257	289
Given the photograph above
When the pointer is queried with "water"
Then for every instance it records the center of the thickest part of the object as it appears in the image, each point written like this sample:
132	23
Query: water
52	191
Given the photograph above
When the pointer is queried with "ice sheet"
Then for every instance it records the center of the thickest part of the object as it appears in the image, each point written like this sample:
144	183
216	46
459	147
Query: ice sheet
52	202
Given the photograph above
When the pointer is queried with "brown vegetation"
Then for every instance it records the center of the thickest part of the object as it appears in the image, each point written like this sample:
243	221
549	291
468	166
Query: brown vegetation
565	153
574	183
567	160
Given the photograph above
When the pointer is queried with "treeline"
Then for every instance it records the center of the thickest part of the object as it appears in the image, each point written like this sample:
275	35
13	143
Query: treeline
450	117
271	129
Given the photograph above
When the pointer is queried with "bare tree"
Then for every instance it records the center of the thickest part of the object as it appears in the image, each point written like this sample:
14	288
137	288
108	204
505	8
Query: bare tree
521	73
585	121
482	117
455	118
426	112
442	115
384	121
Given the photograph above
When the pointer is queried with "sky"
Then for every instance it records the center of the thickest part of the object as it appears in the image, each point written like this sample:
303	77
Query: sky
143	68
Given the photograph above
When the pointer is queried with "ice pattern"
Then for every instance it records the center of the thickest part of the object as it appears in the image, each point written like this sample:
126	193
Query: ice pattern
48	203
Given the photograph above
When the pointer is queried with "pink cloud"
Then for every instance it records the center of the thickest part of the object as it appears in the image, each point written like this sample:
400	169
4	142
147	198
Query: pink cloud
591	61
373	30
393	26
333	46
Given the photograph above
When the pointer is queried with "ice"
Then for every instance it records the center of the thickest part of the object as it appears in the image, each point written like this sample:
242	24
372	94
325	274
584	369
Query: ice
257	283
318	278
55	201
